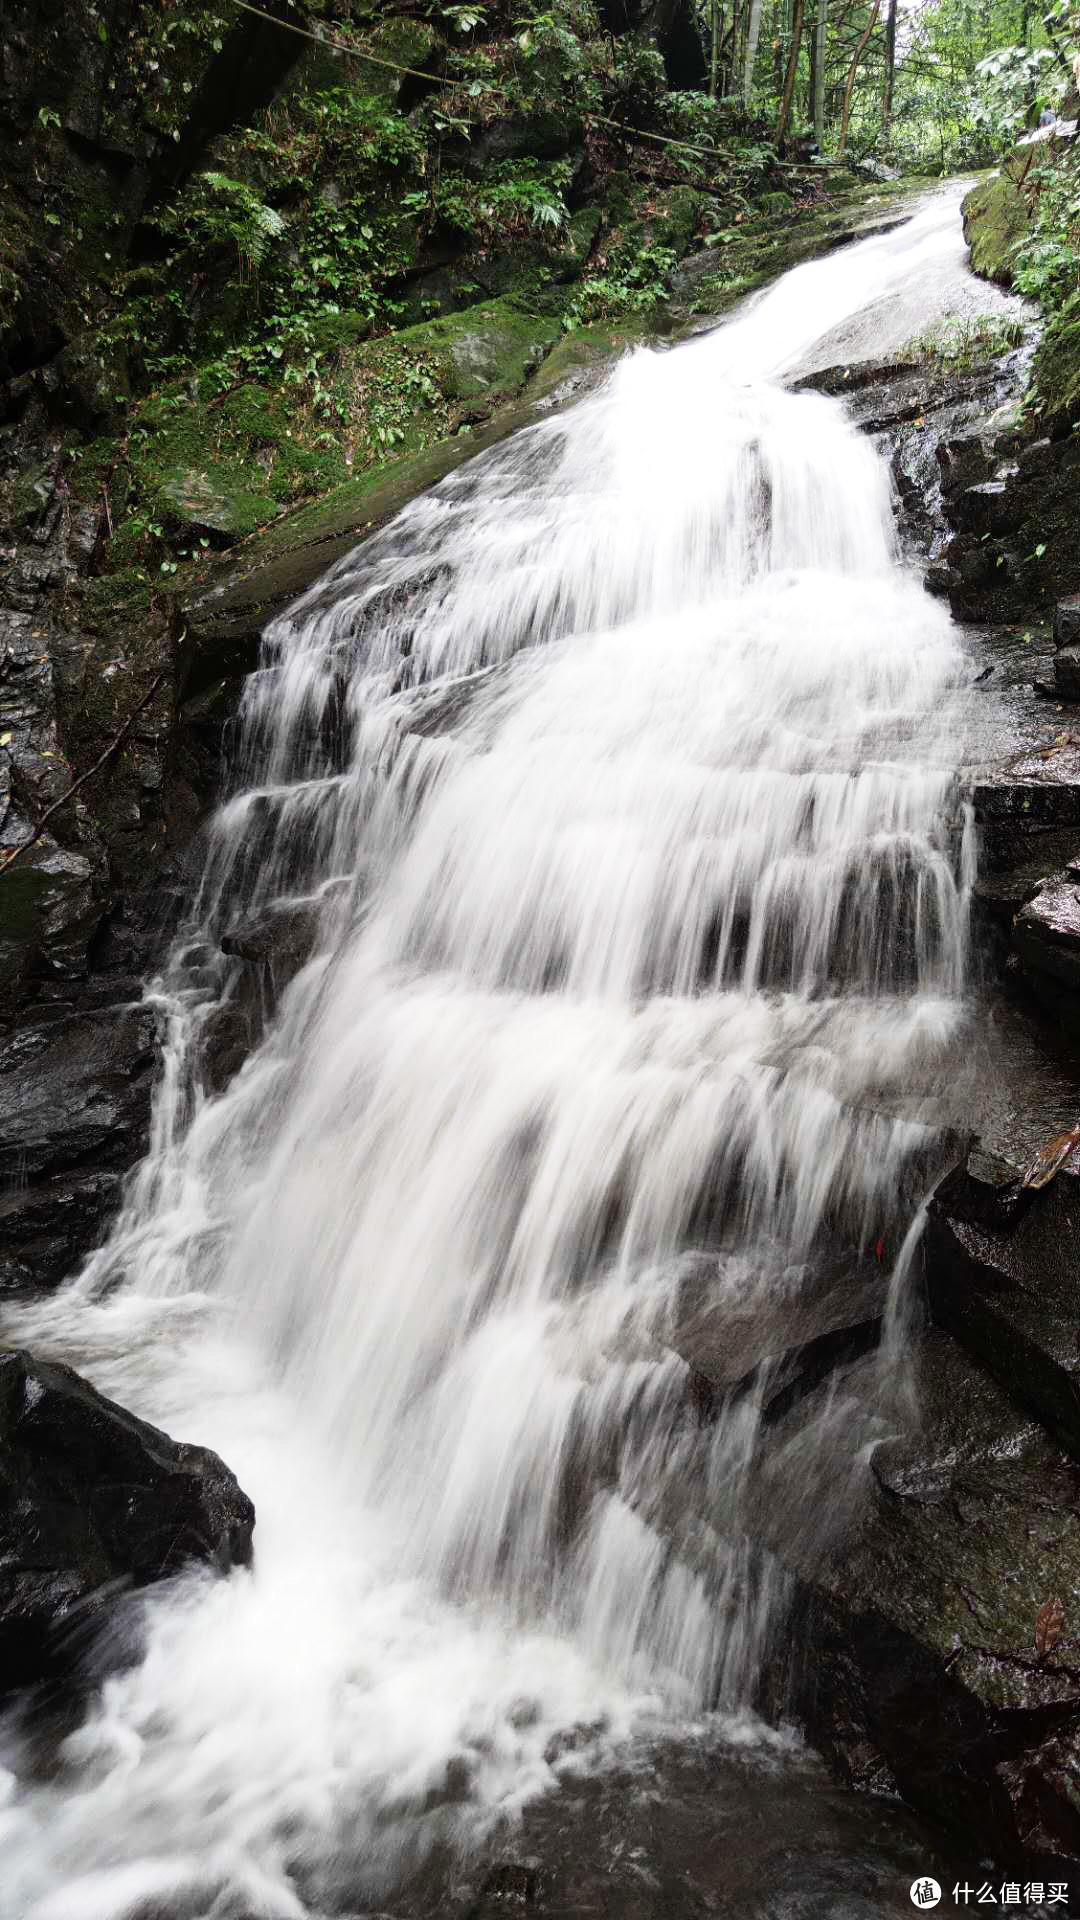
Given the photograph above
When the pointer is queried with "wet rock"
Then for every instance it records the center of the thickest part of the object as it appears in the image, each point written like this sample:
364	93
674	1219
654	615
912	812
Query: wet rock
1038	457
1067	622
919	1670
1005	1287
75	1086
989	508
280	938
50	916
508	1888
46	1227
785	1344
1067	672
93	1500
1047	932
965	461
74	1115
1020	803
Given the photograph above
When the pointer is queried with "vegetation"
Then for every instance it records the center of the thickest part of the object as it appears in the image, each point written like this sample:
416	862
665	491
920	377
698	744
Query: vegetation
304	293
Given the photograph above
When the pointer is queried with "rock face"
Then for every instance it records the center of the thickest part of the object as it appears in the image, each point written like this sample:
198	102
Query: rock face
1067	672
929	1672
1046	940
74	1114
1067	622
93	1500
996	216
1002	1277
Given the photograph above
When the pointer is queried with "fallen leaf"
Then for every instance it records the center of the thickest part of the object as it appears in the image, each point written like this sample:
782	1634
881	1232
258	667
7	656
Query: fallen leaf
1048	1624
1051	1158
6	739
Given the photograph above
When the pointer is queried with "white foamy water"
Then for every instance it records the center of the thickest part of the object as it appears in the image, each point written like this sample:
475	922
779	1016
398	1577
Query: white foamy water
619	771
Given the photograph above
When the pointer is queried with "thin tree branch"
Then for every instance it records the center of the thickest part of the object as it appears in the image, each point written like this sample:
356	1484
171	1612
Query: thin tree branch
856	57
116	741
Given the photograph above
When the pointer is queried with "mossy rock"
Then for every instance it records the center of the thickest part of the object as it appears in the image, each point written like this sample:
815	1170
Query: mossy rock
491	348
214	500
331	331
586	351
576	244
775	204
32	496
674	222
996	216
116	596
1057	371
402	43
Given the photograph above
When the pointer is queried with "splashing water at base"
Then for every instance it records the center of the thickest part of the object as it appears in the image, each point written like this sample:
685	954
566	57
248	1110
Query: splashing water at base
618	771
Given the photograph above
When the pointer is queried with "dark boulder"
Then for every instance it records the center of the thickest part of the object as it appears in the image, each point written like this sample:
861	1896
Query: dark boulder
93	1501
676	27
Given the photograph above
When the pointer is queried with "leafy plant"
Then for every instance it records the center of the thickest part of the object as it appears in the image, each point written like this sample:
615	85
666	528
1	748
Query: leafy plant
221	212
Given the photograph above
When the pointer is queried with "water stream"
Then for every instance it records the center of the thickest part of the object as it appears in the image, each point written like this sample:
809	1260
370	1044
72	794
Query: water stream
619	774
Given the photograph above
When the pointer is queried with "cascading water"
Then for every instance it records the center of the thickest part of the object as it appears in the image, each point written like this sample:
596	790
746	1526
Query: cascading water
618	770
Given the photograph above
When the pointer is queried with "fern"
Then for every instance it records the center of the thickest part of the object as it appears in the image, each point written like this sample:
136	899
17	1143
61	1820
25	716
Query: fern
249	222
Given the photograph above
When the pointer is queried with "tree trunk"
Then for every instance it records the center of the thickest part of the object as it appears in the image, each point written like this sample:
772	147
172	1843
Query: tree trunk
820	33
731	66
716	18
752	34
797	12
890	69
849	84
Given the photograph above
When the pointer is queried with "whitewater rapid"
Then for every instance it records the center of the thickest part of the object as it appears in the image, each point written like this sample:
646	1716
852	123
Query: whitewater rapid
618	774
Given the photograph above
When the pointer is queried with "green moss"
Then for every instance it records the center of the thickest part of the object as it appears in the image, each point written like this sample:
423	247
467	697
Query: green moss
775	204
329	331
121	595
491	348
215	498
674	218
404	43
995	216
1057	370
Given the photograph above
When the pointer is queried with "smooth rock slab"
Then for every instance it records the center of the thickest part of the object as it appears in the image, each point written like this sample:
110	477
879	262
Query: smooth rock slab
92	1501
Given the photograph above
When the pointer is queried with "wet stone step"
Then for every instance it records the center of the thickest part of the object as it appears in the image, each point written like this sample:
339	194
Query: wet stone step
782	1343
1003	1275
1047	931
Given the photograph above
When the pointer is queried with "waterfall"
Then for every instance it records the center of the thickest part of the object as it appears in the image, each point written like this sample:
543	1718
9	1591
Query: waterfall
617	776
